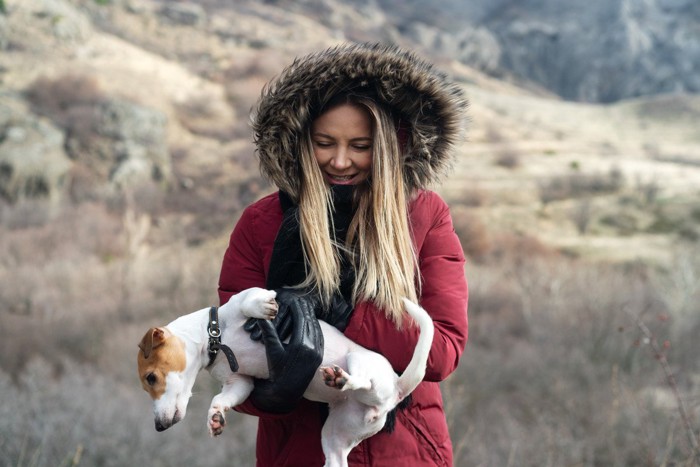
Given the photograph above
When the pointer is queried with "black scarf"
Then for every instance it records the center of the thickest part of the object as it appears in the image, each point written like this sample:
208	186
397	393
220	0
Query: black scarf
287	265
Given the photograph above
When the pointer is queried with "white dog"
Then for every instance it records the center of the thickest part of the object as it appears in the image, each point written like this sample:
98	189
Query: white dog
170	358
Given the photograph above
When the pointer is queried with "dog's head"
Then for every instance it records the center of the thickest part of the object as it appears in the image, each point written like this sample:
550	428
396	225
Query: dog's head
162	365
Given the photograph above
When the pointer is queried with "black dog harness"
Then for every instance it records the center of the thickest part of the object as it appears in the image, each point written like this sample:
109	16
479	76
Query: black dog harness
215	341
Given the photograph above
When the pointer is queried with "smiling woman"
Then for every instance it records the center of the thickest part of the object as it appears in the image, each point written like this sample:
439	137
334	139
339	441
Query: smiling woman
353	136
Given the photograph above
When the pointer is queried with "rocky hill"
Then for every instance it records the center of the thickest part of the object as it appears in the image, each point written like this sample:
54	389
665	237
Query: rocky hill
99	97
594	51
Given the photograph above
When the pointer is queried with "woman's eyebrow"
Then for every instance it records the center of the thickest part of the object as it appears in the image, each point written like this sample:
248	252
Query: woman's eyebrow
319	134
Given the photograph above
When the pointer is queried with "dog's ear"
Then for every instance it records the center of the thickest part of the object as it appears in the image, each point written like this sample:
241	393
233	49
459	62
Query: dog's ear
153	338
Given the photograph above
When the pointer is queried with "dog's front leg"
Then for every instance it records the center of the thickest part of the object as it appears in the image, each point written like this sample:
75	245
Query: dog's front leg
236	390
257	303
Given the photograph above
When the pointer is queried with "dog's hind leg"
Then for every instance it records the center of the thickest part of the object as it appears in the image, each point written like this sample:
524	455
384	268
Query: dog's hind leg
336	377
338	434
348	423
370	375
235	391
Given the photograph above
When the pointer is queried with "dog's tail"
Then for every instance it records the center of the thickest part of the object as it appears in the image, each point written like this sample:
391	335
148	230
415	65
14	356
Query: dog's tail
415	371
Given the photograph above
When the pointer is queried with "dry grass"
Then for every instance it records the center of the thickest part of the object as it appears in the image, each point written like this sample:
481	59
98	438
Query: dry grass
555	373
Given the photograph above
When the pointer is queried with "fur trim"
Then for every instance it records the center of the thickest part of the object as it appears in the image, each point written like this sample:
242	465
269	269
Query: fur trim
431	107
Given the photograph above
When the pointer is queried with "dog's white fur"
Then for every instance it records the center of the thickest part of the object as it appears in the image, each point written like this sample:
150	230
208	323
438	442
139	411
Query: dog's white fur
359	385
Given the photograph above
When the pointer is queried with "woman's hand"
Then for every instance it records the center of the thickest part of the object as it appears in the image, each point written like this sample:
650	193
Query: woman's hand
292	365
337	314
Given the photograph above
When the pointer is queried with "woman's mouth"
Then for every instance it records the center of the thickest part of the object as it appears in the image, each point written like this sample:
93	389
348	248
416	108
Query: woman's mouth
340	179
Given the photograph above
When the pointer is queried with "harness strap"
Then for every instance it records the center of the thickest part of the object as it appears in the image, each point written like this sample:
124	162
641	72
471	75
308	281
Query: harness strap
215	342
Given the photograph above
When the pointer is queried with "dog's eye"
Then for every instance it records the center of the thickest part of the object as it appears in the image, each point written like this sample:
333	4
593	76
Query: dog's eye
151	379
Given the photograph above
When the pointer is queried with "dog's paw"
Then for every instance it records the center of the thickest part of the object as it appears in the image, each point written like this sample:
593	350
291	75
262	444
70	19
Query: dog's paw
217	422
261	304
334	377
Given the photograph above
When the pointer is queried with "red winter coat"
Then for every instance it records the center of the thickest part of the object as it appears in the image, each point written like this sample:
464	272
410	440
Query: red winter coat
421	436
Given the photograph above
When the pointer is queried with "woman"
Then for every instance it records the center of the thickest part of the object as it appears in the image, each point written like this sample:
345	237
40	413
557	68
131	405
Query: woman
352	137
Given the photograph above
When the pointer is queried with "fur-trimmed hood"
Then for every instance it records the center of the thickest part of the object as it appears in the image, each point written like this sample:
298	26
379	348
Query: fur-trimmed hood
421	97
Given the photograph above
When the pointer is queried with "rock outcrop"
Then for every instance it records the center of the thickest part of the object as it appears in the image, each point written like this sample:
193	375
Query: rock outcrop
596	51
33	163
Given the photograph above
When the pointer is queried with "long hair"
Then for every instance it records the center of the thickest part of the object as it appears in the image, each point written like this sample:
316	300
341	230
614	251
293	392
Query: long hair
379	243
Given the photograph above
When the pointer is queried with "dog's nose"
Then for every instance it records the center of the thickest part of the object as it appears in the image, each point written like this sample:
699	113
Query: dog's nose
160	426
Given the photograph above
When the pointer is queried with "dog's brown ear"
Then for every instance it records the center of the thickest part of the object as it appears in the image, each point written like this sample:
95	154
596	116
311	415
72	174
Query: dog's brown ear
153	338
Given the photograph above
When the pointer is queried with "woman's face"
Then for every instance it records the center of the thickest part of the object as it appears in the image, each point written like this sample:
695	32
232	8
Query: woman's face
342	144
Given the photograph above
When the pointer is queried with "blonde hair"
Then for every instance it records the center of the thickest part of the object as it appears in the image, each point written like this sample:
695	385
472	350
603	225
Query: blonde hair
379	242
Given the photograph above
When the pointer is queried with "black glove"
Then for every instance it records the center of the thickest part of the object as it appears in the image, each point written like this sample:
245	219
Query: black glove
291	365
338	313
283	321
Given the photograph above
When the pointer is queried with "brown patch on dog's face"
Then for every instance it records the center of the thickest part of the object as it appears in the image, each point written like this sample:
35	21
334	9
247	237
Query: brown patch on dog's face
160	352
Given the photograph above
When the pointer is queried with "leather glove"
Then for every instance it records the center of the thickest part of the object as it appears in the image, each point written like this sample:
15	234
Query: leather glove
337	314
283	321
291	365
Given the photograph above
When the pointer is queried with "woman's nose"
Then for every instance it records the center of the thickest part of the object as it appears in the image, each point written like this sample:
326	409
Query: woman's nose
340	159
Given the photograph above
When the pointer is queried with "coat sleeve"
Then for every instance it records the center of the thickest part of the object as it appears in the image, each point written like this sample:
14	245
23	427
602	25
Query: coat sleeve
243	266
444	296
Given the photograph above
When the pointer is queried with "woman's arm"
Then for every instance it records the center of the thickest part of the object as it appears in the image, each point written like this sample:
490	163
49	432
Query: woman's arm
243	267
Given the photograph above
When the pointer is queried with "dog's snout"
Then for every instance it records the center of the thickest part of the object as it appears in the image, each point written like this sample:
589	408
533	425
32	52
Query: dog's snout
164	424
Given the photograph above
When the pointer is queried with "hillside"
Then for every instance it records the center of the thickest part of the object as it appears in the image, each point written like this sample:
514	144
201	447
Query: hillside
126	158
594	51
204	87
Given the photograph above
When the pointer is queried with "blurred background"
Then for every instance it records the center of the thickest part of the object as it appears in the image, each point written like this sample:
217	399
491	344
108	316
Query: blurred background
126	158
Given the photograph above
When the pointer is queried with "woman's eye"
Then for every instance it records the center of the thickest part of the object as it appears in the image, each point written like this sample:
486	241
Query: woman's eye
361	147
323	144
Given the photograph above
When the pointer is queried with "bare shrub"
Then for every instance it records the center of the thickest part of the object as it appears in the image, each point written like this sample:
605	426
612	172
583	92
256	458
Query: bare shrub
516	249
25	213
88	417
244	156
214	207
53	340
66	99
508	158
648	190
581	215
506	155
554	189
625	223
578	185
473	197
472	232
204	117
146	197
569	381
71	102
244	80
83	183
73	232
